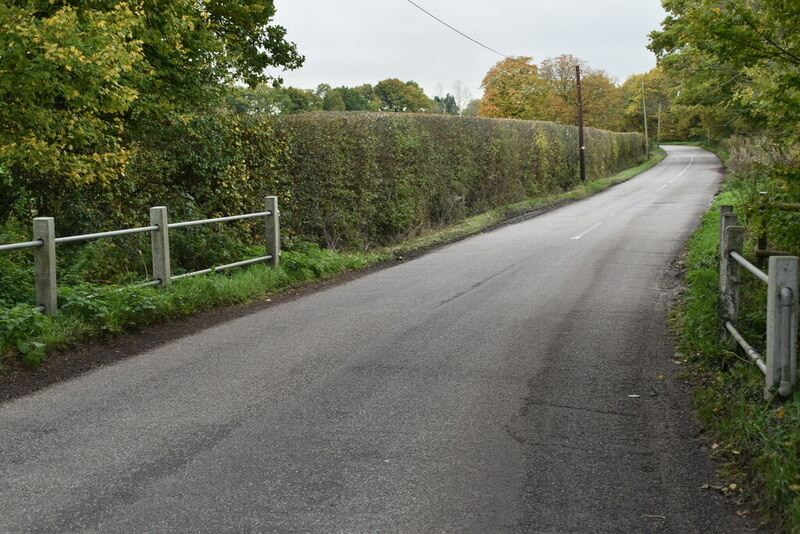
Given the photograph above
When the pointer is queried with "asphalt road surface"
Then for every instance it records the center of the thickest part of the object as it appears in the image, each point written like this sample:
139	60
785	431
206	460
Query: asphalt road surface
505	383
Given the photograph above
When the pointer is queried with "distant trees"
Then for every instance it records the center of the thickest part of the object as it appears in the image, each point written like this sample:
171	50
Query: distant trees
517	88
391	94
395	95
446	105
513	89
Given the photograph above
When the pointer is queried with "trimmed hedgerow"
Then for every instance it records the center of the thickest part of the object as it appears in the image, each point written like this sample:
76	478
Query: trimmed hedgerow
344	180
363	179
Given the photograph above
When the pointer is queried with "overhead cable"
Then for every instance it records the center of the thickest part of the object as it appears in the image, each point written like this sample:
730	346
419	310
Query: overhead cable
456	30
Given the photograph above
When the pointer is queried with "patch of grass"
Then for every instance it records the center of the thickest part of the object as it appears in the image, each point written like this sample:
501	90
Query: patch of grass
90	312
758	441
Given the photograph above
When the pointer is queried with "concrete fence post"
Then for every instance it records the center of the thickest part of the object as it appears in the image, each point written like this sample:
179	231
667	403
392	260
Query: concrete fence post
726	218
44	264
781	356
273	230
732	240
725	211
159	241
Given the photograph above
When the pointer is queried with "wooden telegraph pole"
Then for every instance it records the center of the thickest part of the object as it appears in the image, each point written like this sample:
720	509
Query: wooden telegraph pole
644	112
581	144
658	132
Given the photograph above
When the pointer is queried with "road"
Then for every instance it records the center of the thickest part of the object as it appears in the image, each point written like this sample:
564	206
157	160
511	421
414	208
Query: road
504	383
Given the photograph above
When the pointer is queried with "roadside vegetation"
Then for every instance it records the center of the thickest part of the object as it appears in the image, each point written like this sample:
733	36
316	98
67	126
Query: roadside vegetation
758	441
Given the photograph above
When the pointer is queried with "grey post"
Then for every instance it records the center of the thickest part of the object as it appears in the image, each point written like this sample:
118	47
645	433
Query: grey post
273	230
781	325
159	240
731	240
44	262
726	218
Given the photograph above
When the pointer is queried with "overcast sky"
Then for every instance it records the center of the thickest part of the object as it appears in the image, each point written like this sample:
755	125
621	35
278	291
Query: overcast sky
351	42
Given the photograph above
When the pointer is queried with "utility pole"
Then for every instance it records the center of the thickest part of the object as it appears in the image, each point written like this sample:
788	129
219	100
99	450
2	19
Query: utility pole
581	144
644	112
658	134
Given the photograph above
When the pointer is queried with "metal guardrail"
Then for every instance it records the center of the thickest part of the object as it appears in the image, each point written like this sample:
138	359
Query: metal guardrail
779	364
44	244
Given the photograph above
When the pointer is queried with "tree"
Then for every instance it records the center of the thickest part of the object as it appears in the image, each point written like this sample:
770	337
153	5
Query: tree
354	100
461	95
602	101
395	95
737	60
333	101
271	100
69	75
678	122
559	75
472	108
446	105
77	75
513	89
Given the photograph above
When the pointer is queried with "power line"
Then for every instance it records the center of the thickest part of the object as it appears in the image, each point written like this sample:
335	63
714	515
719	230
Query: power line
457	31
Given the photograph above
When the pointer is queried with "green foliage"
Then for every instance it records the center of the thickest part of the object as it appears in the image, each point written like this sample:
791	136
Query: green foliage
69	74
16	274
395	95
19	326
738	60
79	77
758	440
766	173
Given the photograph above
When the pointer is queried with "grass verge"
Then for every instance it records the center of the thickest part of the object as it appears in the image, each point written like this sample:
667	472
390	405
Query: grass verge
89	312
757	441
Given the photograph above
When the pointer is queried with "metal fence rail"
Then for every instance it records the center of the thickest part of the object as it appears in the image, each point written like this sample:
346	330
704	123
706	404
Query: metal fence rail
44	244
223	267
27	244
779	364
220	219
113	233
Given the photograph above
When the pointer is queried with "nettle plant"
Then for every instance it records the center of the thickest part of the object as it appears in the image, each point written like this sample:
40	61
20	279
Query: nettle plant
18	326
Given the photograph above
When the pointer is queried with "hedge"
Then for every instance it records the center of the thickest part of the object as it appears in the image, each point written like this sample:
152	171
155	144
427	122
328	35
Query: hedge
363	179
345	180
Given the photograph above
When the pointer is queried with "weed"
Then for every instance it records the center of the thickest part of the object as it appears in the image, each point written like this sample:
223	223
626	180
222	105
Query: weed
19	326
